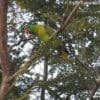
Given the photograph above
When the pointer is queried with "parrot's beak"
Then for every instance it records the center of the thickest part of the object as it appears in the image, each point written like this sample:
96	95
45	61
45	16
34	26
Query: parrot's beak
26	30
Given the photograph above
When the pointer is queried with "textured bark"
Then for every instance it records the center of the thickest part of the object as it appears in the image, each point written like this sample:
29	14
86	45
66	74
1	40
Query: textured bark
3	49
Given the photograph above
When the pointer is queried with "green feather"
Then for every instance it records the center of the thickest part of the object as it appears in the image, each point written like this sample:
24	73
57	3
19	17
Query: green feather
39	30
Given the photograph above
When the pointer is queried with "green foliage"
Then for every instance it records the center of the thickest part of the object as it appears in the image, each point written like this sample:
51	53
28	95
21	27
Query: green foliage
69	72
42	10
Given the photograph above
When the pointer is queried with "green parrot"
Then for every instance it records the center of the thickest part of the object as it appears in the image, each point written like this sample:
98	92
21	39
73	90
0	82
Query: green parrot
38	30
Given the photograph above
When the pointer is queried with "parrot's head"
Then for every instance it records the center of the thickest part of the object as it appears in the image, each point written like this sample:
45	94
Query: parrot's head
27	29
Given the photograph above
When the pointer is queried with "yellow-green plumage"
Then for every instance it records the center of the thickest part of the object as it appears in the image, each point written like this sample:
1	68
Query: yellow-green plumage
41	33
39	30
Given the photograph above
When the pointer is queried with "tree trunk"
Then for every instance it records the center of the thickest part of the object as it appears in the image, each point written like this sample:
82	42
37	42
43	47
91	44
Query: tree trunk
44	77
3	50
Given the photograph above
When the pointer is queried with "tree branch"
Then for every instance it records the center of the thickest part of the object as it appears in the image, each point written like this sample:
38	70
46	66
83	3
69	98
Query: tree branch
68	19
5	65
94	89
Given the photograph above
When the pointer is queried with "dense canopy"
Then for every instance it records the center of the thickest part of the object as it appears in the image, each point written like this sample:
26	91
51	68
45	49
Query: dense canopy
53	47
